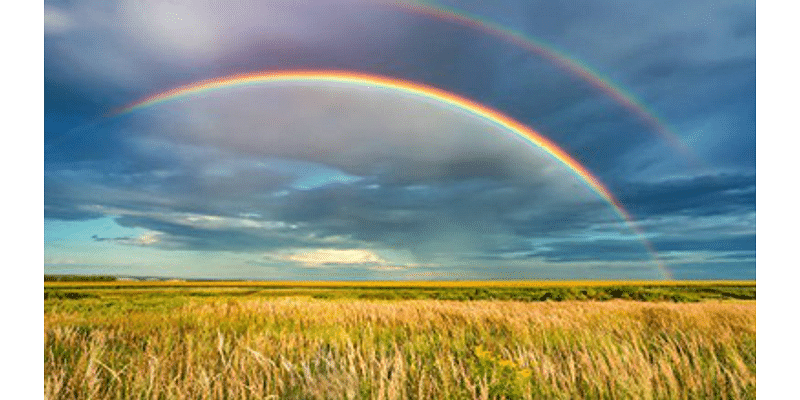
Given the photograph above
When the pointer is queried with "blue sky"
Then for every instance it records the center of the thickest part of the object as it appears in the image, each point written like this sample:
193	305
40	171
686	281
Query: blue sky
333	182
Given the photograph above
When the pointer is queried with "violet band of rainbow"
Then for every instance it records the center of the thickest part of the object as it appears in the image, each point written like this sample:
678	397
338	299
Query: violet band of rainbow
558	58
359	79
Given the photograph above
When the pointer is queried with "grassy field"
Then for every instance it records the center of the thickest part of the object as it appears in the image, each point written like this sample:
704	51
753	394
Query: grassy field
167	340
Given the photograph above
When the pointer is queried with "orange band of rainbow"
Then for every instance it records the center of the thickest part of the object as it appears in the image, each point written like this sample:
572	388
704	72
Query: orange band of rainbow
424	91
559	58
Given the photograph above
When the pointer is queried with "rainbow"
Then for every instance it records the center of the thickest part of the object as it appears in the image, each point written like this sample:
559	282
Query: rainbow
559	58
428	92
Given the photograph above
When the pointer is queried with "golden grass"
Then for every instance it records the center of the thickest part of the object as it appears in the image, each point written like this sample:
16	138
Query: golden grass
300	348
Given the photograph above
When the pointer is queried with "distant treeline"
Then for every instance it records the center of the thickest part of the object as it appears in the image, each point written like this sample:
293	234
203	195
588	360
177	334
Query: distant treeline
79	278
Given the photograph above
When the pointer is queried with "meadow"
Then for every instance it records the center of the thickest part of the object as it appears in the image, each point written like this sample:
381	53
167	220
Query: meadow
478	340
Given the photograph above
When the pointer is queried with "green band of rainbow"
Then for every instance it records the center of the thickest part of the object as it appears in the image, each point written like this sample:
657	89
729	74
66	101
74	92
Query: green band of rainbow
559	58
416	89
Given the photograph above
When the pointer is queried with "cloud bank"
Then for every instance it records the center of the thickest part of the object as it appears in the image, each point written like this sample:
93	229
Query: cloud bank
401	186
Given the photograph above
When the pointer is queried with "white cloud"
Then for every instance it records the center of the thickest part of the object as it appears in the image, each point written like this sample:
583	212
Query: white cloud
335	256
386	260
59	260
194	220
179	34
57	21
353	132
390	268
147	238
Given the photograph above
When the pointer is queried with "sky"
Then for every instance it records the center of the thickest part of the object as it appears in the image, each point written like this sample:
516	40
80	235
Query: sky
331	180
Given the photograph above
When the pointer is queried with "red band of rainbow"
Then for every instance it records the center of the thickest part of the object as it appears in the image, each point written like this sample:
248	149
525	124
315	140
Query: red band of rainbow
559	58
424	91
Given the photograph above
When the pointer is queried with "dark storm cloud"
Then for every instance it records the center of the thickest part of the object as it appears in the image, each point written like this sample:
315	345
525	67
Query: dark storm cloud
66	210
198	185
420	177
102	55
112	239
357	131
181	236
680	59
476	215
395	214
693	196
562	106
481	214
715	270
478	199
745	26
60	197
601	250
570	251
443	53
627	250
134	48
720	244
742	255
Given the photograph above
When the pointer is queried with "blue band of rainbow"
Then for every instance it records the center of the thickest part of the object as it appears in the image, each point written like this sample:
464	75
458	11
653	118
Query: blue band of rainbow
358	79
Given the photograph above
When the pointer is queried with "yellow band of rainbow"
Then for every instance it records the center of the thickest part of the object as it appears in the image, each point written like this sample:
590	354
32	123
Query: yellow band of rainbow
561	59
413	88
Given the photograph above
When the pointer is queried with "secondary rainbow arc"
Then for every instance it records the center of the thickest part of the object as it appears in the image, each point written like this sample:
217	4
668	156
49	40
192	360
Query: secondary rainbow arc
359	79
557	57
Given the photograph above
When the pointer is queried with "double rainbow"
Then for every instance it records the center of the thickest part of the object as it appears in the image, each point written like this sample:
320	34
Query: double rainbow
410	88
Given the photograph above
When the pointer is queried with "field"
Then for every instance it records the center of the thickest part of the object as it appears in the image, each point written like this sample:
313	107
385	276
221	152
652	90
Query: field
462	340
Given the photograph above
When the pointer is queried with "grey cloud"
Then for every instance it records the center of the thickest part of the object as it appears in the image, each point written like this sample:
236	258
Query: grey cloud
187	237
735	243
111	239
361	132
399	172
696	196
144	46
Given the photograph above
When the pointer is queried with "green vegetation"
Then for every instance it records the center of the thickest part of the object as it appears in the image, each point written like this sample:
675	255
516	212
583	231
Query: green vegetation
670	293
640	293
158	342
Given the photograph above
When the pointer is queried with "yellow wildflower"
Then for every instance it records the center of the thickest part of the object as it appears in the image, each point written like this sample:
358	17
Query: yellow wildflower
507	363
